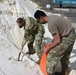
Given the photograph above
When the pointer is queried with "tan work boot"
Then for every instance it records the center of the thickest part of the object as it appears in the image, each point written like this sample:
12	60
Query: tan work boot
62	73
30	53
49	74
58	73
67	72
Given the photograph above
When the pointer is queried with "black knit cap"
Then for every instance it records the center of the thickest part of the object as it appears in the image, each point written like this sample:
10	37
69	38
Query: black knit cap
38	14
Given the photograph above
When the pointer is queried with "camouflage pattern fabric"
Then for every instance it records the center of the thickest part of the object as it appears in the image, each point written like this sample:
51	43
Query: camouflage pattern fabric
61	53
33	30
38	40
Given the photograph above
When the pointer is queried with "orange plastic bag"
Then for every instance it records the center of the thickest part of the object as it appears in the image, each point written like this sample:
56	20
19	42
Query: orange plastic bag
43	64
43	61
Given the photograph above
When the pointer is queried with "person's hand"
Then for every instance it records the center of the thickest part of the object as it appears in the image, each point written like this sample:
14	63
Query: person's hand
46	48
21	49
46	51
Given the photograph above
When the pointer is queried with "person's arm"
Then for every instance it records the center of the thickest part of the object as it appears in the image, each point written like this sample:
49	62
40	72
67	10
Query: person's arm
56	41
40	33
41	29
25	39
23	42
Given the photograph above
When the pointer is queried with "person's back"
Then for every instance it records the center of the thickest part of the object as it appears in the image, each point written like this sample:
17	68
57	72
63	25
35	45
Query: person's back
30	29
59	24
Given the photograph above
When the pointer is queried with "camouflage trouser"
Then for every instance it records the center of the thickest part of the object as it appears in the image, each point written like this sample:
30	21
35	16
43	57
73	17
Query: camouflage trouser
61	53
38	42
30	46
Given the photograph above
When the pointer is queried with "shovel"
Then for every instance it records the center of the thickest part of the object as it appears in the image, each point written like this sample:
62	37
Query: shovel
19	55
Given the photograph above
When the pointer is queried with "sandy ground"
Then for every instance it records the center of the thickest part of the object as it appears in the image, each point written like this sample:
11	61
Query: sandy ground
11	39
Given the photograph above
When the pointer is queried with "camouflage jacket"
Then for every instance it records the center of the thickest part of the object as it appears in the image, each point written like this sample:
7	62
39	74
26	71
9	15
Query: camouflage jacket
31	29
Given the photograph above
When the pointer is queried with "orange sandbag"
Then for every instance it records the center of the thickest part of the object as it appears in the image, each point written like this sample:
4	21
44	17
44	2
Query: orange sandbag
43	64
43	61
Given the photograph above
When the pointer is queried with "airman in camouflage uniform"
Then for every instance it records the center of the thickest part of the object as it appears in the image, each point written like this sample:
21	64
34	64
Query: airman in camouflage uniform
63	40
33	31
61	53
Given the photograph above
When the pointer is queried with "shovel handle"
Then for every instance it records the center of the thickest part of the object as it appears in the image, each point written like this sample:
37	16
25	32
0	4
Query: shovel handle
19	55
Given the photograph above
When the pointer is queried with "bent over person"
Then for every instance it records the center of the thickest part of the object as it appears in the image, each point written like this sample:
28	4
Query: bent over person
63	40
33	31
